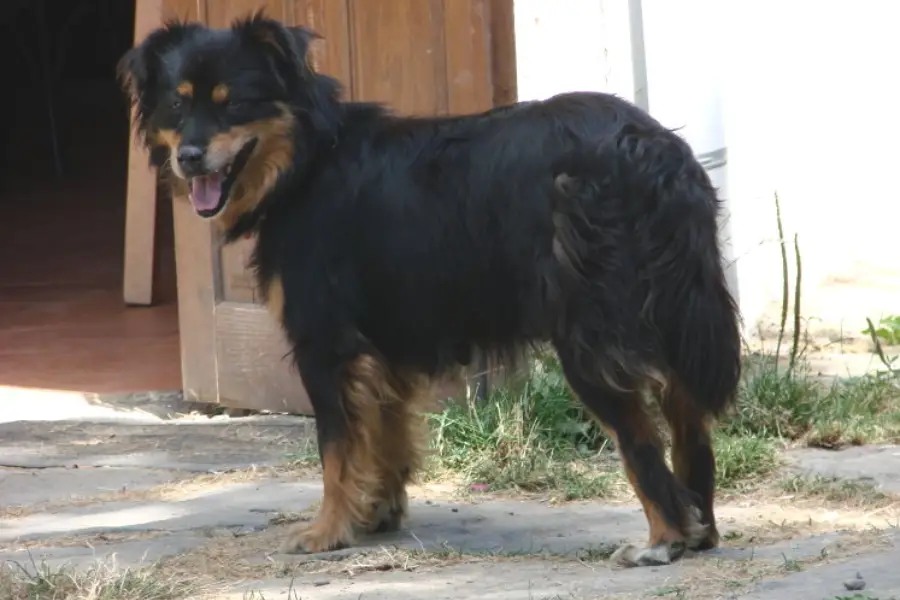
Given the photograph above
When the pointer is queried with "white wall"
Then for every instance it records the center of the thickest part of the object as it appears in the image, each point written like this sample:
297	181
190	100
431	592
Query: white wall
804	94
568	45
811	111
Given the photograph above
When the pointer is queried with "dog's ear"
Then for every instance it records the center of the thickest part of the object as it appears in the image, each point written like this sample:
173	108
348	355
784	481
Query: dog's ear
138	69
288	48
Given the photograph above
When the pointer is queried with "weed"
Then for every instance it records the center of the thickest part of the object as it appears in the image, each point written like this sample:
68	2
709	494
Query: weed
888	330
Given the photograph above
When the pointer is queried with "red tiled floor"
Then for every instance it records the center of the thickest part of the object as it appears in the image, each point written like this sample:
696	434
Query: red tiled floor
63	324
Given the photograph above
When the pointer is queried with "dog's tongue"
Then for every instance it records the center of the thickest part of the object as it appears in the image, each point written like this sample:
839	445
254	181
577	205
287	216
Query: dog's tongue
206	191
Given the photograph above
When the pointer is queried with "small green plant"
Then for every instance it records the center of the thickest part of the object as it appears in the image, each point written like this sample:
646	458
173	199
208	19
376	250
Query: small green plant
887	331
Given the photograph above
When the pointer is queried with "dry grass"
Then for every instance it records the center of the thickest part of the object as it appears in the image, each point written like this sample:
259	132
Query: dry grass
838	493
102	581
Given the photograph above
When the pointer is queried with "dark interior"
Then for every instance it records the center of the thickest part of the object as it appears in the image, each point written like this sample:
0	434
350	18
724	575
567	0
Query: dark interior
64	141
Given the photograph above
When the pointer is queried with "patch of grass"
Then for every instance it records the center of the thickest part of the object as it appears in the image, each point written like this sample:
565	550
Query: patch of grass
305	456
532	438
103	581
795	405
536	437
741	460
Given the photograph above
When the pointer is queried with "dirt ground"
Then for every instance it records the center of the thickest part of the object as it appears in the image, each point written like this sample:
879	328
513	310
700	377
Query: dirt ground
209	499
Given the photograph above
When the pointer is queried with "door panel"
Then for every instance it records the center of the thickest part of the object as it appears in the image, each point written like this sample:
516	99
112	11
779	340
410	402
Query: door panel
409	68
221	13
419	56
329	19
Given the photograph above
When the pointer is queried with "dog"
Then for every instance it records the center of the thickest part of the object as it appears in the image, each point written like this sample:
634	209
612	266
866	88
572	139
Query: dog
391	249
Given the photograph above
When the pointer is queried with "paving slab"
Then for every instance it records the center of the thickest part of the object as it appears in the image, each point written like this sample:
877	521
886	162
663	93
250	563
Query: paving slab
23	487
880	571
126	554
198	445
530	578
879	465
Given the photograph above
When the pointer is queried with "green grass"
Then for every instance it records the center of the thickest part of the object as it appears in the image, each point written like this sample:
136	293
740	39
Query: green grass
535	437
795	406
530	437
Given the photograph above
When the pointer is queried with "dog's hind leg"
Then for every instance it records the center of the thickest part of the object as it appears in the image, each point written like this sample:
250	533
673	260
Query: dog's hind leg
692	455
670	507
349	427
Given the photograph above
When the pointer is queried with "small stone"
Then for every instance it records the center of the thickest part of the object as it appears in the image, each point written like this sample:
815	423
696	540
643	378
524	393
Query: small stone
320	583
454	510
856	584
429	502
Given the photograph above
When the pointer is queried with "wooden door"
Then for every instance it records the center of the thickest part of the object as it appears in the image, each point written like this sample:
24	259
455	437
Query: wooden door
421	57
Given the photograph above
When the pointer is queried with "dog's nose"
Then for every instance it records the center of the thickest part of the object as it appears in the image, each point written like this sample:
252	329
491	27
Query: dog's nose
190	159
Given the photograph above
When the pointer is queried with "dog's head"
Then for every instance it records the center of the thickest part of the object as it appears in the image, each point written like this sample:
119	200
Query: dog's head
229	109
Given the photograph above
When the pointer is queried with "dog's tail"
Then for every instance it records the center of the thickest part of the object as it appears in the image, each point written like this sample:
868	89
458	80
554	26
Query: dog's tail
654	198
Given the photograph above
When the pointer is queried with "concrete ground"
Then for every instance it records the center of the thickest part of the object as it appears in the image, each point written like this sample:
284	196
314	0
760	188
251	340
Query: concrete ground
210	499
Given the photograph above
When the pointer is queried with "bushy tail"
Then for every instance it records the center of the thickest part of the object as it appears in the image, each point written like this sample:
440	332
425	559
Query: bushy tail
668	262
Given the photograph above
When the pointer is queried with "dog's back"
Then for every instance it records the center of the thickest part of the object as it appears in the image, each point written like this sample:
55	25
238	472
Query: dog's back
455	226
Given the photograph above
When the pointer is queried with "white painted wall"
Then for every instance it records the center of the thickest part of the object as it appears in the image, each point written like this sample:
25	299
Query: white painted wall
568	45
811	111
803	95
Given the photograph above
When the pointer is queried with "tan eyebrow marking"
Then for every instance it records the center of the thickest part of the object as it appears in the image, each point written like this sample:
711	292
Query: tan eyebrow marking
220	93
185	88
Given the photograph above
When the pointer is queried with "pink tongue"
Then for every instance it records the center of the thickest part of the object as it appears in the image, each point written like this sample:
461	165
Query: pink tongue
206	191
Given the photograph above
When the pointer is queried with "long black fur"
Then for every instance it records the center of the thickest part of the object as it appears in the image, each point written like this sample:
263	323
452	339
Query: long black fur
578	220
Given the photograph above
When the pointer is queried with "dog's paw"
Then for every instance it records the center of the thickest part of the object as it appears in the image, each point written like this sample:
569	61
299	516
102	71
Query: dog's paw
699	535
666	553
315	538
388	514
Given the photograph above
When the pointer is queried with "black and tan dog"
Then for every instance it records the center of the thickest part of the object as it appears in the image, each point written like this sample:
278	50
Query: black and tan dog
390	248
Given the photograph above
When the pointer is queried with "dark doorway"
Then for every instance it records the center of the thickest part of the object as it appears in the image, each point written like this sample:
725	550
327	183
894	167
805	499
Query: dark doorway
64	141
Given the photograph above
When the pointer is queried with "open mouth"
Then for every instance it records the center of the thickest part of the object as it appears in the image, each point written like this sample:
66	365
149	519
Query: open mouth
209	192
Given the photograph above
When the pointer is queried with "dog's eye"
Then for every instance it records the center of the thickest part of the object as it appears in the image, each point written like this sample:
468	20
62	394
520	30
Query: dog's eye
176	103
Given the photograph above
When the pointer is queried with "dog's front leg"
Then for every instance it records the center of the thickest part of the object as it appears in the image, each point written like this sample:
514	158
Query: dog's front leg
348	425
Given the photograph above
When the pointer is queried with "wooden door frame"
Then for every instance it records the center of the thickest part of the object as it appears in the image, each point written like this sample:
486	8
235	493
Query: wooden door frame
140	195
193	238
